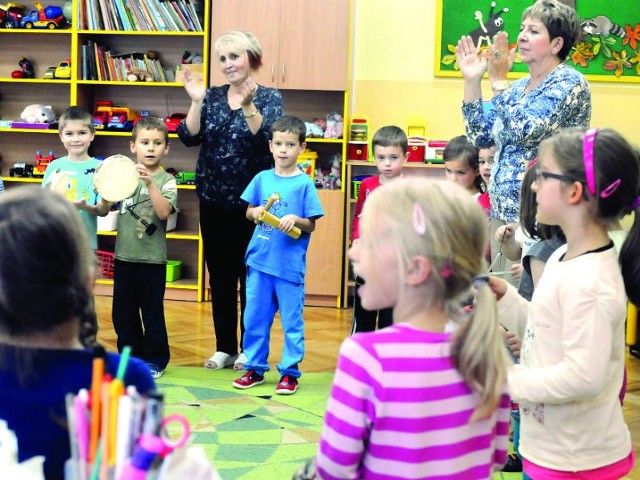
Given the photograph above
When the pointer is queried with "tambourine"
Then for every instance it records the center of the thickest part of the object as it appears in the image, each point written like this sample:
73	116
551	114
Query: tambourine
116	178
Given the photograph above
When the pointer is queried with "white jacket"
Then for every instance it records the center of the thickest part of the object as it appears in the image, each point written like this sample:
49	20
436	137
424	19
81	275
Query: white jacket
572	361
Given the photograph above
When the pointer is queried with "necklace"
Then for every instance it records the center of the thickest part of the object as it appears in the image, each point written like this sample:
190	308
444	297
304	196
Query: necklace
536	80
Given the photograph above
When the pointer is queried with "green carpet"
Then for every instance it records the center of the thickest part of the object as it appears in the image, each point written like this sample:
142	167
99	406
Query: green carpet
249	434
252	434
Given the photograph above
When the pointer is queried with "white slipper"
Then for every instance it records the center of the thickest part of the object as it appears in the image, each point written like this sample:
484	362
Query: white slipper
238	365
220	360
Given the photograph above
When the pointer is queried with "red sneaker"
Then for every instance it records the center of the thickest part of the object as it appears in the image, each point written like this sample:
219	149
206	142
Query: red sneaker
287	386
248	380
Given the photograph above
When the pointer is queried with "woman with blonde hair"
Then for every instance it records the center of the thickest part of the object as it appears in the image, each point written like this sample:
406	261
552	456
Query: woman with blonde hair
231	124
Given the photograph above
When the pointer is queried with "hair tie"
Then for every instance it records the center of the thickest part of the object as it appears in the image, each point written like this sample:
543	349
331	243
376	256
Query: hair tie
587	157
635	204
447	268
418	219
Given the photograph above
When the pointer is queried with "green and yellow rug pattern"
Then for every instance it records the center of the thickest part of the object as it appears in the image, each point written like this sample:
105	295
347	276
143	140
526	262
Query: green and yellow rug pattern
252	434
249	434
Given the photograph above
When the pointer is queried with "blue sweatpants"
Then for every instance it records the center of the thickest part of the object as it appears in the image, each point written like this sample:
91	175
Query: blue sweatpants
266	294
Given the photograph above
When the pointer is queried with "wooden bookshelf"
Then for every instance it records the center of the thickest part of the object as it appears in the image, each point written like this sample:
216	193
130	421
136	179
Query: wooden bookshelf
46	48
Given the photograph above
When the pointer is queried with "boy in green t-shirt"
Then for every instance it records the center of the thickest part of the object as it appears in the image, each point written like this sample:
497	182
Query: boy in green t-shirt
72	176
141	250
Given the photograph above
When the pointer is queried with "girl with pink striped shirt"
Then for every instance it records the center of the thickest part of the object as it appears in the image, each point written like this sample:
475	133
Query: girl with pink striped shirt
415	401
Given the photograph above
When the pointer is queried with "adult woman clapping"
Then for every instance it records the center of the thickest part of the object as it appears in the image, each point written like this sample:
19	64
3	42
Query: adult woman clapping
532	108
231	124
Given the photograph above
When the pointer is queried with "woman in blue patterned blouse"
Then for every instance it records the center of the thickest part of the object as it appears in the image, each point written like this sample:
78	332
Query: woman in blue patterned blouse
551	97
231	124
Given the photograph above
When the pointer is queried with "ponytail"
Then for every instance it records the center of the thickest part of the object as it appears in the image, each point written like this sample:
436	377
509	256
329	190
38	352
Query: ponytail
630	258
480	354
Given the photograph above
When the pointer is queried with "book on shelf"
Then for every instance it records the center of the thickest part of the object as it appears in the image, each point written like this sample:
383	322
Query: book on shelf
194	14
85	69
105	15
142	15
122	15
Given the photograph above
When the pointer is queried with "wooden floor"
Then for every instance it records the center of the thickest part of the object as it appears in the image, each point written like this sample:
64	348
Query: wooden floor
192	341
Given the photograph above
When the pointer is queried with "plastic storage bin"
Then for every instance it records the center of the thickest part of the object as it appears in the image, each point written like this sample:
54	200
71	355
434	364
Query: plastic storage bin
307	162
174	270
355	182
104	268
109	222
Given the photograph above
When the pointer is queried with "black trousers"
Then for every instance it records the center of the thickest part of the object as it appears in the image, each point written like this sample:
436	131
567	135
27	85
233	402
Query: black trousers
226	235
365	320
138	301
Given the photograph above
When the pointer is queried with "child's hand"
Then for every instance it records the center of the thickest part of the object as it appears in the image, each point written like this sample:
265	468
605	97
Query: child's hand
505	232
256	213
498	286
287	223
512	343
145	175
82	205
516	270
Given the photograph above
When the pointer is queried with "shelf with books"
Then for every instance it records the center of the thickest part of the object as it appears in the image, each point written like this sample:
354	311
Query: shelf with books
109	56
141	15
46	48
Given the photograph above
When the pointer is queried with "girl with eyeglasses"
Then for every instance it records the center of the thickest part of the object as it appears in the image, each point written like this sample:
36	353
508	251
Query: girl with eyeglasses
573	342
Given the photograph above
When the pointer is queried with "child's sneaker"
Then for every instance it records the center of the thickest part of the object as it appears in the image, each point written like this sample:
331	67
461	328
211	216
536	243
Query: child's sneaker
248	380
155	371
287	386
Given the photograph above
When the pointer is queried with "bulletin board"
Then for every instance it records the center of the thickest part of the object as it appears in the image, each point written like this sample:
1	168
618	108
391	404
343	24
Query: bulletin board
608	50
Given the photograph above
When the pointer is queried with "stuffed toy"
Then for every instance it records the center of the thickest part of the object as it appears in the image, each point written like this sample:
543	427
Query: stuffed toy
334	126
313	130
188	57
134	74
335	180
37	113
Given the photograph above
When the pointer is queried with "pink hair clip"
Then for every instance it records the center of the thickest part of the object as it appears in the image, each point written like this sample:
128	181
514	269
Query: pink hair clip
587	156
611	188
446	270
418	219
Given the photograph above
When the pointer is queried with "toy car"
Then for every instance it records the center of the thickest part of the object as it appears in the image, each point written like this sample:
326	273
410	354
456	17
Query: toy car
50	17
121	119
186	178
101	114
21	169
11	15
50	73
143	113
63	70
173	120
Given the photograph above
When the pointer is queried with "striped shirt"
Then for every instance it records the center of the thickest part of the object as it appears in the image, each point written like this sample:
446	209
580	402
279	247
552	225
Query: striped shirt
399	409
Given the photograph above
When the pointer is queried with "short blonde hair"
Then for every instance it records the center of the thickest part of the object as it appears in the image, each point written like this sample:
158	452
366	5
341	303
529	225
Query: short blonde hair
442	222
245	41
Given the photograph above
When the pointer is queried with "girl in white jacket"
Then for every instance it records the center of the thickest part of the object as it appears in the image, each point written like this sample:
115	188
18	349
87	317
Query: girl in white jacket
572	331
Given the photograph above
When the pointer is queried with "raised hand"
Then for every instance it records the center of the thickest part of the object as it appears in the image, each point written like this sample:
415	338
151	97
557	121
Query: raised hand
472	64
194	86
500	57
247	91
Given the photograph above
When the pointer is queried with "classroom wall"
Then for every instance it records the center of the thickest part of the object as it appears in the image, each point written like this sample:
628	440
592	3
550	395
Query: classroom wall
393	74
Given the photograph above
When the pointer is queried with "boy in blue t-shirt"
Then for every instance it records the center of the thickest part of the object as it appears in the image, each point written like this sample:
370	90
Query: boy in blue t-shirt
276	262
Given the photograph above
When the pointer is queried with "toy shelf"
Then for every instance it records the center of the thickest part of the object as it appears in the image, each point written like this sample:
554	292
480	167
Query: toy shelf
45	48
355	168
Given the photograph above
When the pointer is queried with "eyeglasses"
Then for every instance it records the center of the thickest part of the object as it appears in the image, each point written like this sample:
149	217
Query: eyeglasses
544	175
